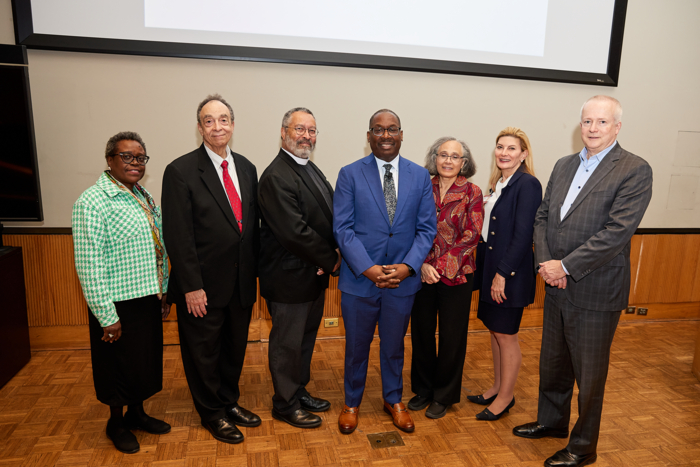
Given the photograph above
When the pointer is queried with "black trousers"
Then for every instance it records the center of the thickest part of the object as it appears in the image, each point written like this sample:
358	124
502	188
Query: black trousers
575	348
292	340
213	352
436	373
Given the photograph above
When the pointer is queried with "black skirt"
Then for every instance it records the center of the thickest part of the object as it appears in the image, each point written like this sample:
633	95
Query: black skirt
129	370
500	319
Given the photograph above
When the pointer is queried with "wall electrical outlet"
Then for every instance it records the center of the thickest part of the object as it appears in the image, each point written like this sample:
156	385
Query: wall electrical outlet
330	323
631	310
642	311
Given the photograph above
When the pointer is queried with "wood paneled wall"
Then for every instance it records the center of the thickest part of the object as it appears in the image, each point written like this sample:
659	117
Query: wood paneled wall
665	270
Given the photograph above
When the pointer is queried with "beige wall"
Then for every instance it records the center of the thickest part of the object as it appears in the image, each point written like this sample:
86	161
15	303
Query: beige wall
80	100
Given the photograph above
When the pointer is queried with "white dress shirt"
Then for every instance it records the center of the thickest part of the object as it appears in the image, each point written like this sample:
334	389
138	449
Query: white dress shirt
394	172
217	160
489	203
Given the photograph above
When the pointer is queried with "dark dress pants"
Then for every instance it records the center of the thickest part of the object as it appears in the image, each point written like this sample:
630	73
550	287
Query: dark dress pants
213	351
292	340
436	371
361	316
575	348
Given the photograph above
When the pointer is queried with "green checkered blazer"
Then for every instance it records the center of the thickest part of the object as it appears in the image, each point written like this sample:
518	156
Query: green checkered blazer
115	254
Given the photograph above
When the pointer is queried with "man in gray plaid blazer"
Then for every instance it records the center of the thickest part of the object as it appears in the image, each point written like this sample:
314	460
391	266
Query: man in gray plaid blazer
592	206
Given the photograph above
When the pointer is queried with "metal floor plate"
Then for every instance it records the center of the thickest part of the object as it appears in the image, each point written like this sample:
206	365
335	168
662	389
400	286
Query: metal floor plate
388	439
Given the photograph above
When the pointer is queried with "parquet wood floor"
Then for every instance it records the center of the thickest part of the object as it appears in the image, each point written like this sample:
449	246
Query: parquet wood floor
49	414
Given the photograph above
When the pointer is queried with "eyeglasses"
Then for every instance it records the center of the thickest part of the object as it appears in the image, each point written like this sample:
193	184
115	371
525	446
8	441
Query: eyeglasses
379	131
301	130
127	158
209	121
452	158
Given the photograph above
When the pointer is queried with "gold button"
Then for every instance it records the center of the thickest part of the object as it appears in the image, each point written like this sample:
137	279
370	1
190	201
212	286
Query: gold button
512	273
490	248
493	218
493	233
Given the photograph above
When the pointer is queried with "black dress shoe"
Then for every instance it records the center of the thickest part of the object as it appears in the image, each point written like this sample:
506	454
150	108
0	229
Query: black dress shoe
534	430
564	458
436	410
223	430
242	417
480	399
314	404
489	416
300	418
123	439
418	402
148	424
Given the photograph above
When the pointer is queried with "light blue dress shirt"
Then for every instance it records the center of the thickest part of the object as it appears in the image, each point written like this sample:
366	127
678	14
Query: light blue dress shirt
584	172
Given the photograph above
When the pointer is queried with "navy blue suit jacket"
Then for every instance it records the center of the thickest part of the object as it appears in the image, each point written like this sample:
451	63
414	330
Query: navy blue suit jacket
509	250
363	232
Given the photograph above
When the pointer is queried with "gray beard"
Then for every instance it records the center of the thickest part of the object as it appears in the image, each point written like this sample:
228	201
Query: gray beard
302	153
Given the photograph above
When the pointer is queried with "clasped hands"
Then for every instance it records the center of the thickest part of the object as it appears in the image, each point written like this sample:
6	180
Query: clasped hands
387	276
553	273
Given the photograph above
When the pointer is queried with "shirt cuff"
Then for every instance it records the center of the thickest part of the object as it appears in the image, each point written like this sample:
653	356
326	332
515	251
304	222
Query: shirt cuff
564	268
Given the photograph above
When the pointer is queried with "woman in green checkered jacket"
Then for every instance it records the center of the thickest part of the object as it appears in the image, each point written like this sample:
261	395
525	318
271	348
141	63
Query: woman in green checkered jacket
122	266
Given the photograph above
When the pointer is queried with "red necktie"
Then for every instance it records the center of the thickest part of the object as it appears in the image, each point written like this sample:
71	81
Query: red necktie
233	197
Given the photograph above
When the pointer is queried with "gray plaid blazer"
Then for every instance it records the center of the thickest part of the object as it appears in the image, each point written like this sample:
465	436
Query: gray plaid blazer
593	239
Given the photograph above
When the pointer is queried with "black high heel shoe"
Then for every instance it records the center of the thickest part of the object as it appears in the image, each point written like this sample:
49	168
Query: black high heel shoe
480	399
488	416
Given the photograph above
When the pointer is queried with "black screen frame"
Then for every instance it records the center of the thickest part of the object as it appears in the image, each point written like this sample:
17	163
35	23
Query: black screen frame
14	58
24	35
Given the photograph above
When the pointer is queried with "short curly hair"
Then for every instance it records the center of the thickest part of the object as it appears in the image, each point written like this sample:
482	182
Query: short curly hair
122	136
469	167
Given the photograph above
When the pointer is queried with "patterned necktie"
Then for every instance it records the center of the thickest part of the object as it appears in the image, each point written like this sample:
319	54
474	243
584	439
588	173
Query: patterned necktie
233	197
389	193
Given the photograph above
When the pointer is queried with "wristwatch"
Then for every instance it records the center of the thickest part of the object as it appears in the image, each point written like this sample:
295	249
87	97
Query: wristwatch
411	271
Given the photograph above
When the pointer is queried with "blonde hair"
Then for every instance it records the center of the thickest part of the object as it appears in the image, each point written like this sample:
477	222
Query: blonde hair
528	166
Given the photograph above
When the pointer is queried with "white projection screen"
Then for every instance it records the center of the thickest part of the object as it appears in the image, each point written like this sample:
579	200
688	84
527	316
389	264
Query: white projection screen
573	42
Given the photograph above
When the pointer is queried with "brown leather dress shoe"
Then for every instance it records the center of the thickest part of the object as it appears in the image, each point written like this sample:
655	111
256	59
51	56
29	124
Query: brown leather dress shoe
347	421
402	420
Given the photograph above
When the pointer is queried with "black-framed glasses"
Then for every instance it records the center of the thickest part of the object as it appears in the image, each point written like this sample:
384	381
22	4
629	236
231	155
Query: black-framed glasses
379	131
300	130
127	158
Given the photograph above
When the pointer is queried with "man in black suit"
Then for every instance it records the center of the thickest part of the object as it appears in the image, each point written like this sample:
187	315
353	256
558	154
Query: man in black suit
211	231
298	252
594	202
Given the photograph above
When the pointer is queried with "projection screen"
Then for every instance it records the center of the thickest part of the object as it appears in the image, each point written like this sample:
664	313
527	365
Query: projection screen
575	42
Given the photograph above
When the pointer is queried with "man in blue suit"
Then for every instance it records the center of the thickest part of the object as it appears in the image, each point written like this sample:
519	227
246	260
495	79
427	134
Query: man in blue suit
384	222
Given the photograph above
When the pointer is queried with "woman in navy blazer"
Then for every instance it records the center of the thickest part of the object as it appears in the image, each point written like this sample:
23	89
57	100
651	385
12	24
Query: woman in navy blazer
504	266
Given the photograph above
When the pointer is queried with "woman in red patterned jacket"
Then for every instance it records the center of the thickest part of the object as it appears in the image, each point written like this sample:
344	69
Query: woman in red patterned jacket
447	274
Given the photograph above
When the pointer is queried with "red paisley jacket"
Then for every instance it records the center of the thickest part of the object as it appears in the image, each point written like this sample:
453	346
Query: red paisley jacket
460	217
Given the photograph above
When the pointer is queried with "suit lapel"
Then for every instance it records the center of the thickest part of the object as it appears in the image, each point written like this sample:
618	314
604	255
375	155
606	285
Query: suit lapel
506	189
606	165
310	183
371	173
560	195
406	179
318	195
213	183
